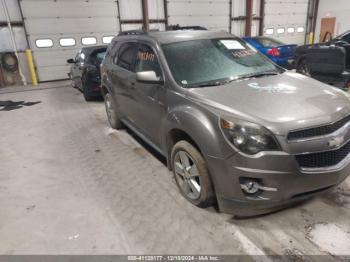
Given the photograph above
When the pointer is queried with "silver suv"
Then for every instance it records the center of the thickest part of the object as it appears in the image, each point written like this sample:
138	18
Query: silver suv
235	128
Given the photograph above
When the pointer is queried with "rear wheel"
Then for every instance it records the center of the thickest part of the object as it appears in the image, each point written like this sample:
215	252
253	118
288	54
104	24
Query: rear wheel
303	68
112	114
191	174
87	96
85	90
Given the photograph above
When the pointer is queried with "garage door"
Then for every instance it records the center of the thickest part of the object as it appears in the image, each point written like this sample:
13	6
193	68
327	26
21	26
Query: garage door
57	29
286	20
213	15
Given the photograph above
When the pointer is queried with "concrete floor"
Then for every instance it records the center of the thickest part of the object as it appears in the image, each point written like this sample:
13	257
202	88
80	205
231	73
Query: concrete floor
71	185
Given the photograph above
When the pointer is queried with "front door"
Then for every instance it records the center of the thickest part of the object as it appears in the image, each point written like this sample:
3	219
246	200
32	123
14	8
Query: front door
150	97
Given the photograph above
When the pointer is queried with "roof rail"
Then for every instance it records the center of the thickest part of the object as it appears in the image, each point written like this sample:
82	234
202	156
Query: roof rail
132	32
178	27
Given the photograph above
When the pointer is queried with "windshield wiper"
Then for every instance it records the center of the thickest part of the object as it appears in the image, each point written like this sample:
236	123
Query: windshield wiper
209	83
261	74
231	79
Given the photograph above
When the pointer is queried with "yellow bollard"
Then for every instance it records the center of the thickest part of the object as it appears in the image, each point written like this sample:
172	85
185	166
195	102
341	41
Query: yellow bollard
31	67
311	38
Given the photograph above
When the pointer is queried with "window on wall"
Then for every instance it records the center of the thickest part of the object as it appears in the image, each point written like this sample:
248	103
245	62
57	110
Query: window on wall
280	30
269	31
291	30
300	29
107	39
44	43
67	42
89	40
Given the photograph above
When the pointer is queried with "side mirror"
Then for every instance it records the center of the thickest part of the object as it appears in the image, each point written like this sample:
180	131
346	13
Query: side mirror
71	61
148	77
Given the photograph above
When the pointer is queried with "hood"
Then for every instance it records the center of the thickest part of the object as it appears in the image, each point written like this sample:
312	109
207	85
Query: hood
282	103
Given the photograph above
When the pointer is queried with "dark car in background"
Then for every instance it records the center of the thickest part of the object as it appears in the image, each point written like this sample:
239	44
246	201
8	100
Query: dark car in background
85	71
328	62
280	53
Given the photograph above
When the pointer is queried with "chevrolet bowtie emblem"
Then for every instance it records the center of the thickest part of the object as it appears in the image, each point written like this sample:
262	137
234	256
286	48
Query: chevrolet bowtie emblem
335	142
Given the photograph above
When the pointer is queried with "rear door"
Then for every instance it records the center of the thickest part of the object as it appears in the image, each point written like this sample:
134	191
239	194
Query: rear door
123	79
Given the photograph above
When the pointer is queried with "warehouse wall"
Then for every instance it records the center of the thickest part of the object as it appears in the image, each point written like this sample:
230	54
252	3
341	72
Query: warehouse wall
15	16
48	22
335	8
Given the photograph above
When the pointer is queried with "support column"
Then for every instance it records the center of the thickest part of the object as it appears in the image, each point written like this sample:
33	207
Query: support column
145	15
249	17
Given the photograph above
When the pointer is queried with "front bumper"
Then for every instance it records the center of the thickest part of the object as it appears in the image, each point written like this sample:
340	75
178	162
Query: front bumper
274	170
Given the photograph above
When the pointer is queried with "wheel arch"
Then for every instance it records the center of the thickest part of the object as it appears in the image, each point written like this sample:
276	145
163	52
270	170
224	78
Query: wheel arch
196	127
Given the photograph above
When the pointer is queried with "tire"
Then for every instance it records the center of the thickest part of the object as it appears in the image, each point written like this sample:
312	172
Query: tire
205	196
87	96
85	90
112	114
303	67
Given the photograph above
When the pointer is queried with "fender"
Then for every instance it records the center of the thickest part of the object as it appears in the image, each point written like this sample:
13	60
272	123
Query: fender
198	124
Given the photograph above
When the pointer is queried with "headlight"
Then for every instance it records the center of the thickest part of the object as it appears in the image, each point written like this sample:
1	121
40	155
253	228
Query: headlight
248	137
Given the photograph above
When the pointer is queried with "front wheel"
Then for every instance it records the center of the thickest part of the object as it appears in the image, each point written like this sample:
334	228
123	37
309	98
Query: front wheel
191	174
112	114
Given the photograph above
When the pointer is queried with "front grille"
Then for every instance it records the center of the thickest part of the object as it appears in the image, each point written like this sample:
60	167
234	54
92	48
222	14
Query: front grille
318	131
323	159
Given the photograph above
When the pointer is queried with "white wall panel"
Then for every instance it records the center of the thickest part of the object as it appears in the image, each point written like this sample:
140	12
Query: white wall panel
153	26
5	39
238	9
68	9
19	35
211	14
130	9
13	9
63	26
156	9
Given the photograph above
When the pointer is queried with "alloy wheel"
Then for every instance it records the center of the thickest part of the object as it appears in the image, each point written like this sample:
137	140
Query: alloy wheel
187	175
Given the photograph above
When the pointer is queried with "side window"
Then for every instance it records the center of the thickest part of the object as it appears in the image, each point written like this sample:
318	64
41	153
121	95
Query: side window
146	60
126	56
81	57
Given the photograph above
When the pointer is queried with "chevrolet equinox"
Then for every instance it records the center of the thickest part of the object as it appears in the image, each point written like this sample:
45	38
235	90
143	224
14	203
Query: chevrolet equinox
235	128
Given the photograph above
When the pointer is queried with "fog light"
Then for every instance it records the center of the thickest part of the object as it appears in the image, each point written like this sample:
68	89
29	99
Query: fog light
250	187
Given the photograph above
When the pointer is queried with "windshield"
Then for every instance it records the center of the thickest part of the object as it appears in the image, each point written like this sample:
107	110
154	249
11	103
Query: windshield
196	62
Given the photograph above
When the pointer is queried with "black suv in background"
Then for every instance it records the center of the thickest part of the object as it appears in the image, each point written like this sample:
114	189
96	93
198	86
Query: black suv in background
85	71
328	62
